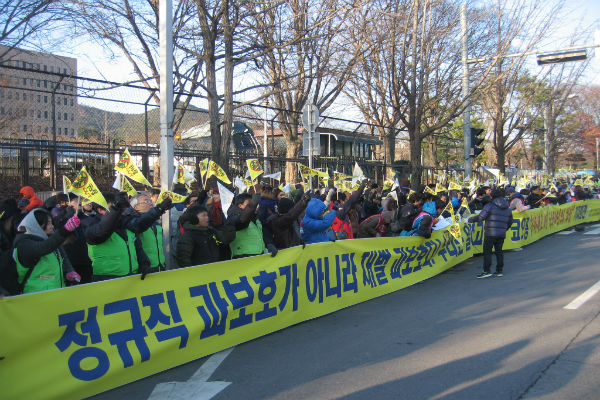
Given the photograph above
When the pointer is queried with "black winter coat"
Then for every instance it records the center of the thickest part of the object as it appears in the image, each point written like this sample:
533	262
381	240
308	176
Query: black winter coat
497	216
285	227
199	246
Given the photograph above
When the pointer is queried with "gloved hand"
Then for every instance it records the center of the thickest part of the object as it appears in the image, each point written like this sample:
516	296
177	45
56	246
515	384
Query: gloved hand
165	205
72	223
272	249
121	201
73	277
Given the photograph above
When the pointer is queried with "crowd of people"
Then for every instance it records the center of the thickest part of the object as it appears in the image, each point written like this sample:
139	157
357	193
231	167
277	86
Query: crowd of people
60	242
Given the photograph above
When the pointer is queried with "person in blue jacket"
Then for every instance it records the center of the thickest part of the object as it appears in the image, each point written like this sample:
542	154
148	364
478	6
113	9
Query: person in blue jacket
316	222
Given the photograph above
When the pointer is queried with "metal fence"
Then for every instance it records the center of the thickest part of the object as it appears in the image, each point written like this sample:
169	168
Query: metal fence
39	143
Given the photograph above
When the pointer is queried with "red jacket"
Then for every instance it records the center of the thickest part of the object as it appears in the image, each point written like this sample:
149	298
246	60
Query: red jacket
29	194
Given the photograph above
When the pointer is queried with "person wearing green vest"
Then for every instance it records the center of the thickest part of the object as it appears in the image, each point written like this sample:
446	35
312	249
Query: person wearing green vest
152	237
41	262
113	246
249	239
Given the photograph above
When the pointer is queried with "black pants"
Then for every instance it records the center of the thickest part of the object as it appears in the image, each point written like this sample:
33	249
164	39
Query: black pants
496	243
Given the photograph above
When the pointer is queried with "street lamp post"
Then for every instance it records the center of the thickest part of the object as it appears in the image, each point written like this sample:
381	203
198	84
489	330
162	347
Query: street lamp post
597	142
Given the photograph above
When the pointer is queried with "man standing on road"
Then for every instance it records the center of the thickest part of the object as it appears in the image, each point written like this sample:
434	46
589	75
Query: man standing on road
498	219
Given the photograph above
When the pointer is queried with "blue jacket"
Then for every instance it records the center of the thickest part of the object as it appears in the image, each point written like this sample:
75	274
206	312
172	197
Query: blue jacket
497	216
314	226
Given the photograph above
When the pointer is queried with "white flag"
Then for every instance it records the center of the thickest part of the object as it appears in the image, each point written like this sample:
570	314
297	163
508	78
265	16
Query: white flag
276	176
357	173
226	197
239	183
247	174
394	186
117	183
287	189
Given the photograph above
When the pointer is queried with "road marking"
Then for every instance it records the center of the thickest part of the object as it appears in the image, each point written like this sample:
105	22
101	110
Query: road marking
197	387
593	232
564	232
582	298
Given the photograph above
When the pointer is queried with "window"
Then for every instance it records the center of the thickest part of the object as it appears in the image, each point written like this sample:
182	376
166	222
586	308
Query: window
46	69
59	131
24	81
25	128
64	71
39	129
59	115
39	98
71	102
24	96
65	101
45	83
45	99
37	66
23	64
72	132
16	96
45	114
37	82
9	94
72	117
30	113
39	114
51	68
65	116
65	87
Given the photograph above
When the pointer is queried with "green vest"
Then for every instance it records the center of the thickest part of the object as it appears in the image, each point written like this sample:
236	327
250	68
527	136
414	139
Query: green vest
47	273
152	242
248	241
115	256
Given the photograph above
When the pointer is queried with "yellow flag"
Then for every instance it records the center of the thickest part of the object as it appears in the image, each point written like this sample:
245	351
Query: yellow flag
176	198
588	181
553	186
454	229
203	167
455	218
429	190
304	170
127	187
216	170
66	185
578	182
128	168
85	201
454	186
410	191
254	167
247	182
449	208
84	186
439	188
387	184
322	174
339	176
464	203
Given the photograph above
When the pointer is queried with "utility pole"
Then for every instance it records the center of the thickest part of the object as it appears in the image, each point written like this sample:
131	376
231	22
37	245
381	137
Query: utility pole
597	140
165	37
465	94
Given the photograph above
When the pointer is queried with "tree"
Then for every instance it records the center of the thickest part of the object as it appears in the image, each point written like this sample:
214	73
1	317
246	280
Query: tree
306	60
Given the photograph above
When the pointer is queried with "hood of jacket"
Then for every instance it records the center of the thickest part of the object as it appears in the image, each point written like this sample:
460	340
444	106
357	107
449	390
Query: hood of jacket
30	226
314	208
27	191
189	227
500	202
430	208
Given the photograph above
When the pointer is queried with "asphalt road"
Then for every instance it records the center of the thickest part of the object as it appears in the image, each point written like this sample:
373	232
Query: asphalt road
450	337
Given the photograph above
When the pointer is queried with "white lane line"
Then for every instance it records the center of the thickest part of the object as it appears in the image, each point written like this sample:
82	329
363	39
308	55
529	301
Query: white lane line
564	232
197	387
593	232
582	298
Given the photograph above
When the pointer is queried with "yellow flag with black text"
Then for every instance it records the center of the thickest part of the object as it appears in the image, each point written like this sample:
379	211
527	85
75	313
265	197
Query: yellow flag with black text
126	166
83	185
254	167
216	170
176	198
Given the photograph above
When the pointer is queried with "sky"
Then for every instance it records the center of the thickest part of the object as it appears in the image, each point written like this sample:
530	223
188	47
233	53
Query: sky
95	62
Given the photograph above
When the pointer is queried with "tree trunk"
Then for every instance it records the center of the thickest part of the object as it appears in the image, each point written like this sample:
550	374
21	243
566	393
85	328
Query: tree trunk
227	125
416	168
292	151
389	149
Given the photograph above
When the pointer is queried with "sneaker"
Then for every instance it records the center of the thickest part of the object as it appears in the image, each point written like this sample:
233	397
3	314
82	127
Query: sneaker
498	274
483	275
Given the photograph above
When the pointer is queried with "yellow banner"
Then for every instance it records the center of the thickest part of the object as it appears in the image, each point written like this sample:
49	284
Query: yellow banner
203	167
128	168
216	170
128	187
125	329
429	190
83	185
254	167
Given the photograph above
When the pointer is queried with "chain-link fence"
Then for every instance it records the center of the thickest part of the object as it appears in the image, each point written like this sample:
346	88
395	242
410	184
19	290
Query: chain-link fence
52	124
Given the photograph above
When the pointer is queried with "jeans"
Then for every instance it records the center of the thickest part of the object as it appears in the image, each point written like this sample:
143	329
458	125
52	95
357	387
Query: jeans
490	242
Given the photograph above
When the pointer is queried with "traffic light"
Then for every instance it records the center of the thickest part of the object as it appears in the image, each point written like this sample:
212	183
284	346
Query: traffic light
476	140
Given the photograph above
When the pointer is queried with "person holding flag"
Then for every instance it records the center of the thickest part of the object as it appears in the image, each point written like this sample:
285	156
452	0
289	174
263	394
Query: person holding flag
112	243
42	264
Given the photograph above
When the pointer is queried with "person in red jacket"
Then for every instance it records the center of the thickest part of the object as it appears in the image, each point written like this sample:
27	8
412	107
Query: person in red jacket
28	193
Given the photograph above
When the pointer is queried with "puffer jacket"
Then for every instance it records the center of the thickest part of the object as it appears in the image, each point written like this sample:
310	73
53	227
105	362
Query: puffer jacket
314	226
34	201
497	216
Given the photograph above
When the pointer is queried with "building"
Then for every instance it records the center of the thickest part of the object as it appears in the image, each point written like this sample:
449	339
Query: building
38	95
